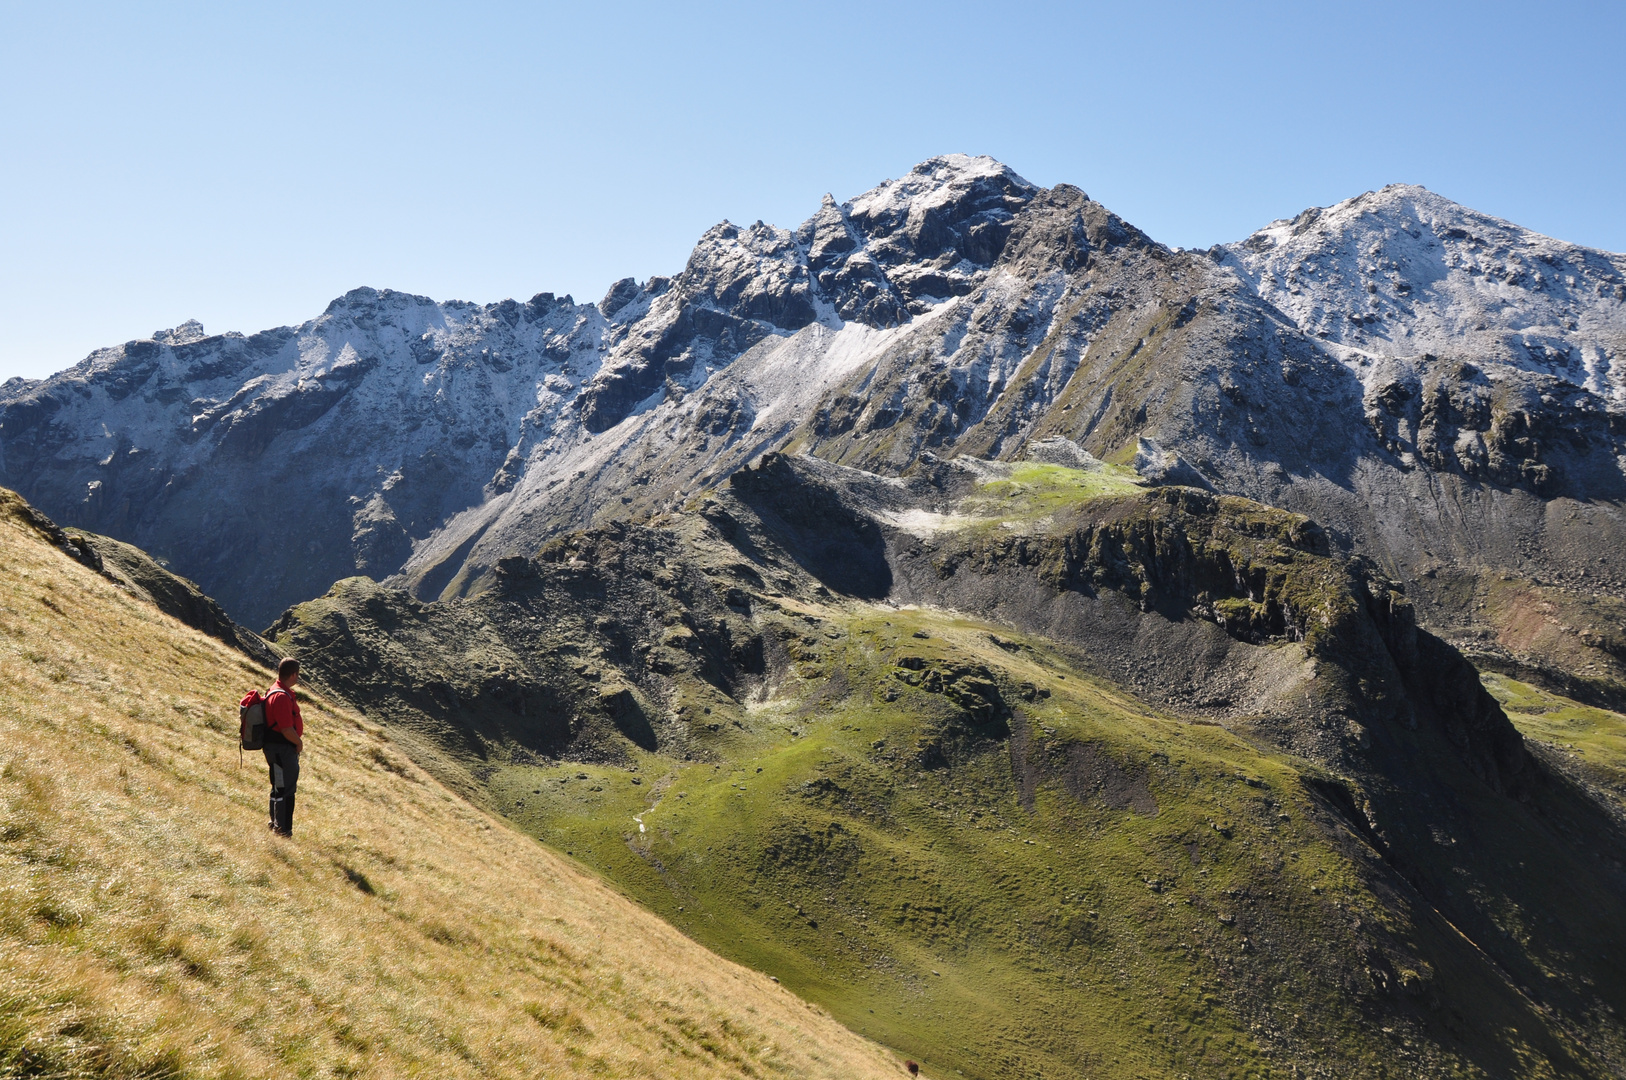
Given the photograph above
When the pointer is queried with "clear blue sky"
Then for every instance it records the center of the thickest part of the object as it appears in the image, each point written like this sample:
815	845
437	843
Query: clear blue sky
243	164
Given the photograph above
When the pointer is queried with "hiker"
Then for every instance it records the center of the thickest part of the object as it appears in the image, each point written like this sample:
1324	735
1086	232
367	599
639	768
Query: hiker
285	734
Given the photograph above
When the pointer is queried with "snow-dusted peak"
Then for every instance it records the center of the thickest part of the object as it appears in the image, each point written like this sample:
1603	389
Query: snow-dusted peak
732	262
947	205
367	300
890	254
936	182
1392	211
1404	272
387	403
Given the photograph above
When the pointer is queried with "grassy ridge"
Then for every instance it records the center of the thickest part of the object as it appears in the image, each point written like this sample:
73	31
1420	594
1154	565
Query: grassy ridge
1034	489
149	926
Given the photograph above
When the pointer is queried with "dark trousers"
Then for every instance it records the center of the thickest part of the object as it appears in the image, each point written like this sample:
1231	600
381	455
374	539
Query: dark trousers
283	761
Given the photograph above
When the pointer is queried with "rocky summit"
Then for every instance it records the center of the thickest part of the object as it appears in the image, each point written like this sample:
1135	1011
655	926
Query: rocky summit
962	605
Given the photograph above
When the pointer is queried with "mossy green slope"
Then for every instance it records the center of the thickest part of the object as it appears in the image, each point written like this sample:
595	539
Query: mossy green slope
1132	895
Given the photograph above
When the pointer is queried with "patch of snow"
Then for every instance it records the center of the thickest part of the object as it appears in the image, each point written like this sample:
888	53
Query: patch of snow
925	523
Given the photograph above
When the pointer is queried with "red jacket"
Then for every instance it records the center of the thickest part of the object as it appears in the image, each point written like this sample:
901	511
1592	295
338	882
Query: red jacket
282	714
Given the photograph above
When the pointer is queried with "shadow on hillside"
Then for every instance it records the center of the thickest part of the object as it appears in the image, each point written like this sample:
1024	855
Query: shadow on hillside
841	547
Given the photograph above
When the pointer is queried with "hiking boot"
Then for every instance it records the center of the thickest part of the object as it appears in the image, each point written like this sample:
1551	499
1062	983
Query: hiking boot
285	815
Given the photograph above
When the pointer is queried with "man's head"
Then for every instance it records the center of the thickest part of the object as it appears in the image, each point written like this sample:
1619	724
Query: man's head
288	672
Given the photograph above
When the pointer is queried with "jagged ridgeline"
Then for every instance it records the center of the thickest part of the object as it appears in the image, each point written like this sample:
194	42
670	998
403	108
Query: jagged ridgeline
1443	391
1052	651
150	928
1030	770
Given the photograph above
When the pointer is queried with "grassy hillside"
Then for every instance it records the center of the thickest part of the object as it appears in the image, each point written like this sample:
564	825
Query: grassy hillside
149	925
968	843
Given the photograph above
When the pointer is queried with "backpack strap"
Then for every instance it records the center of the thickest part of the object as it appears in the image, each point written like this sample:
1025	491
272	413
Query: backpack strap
275	690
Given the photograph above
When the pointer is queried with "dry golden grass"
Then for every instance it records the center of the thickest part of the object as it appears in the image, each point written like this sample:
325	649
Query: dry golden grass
150	926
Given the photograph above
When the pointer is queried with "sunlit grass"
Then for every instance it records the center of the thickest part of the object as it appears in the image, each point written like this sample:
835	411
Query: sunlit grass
149	925
1591	740
1034	490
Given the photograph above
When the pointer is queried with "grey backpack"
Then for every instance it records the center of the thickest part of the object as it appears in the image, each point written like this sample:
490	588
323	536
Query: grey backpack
251	722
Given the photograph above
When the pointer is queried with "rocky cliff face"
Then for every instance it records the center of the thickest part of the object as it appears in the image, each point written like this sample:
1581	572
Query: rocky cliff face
1483	350
1441	390
1489	364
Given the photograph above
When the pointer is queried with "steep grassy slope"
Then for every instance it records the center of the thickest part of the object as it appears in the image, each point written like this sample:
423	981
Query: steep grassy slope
142	576
967	838
149	926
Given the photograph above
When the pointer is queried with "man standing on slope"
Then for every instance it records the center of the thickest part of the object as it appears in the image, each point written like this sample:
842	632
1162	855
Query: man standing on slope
284	735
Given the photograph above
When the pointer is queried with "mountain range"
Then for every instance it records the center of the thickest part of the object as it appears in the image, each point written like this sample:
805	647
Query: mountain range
964	606
1442	390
